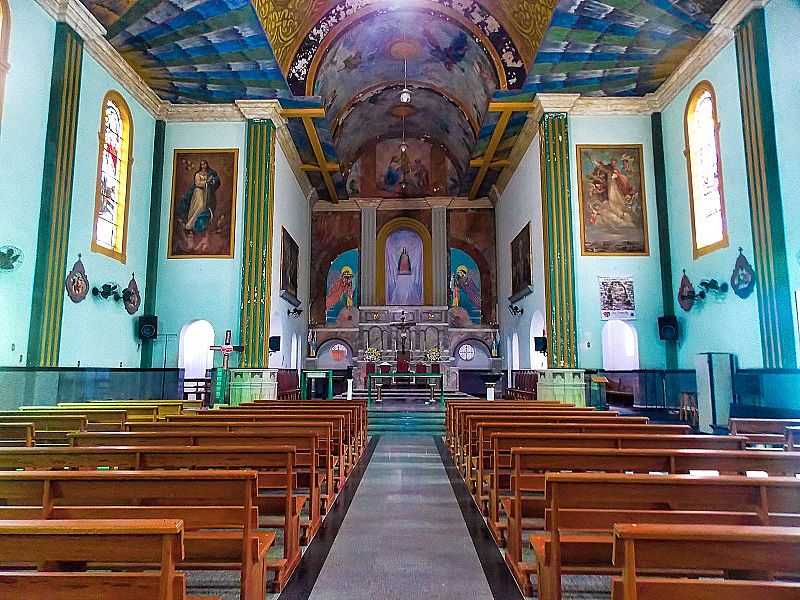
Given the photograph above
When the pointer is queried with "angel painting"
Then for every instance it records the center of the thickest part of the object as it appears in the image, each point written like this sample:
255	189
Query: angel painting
613	210
341	295
465	289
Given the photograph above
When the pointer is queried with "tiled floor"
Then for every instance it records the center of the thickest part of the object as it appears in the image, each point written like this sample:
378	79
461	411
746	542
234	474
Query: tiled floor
403	536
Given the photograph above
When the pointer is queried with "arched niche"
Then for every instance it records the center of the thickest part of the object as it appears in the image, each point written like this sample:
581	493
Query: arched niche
620	346
380	257
194	349
334	354
472	354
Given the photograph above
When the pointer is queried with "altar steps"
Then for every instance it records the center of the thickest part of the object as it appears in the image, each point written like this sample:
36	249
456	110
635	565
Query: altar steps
406	421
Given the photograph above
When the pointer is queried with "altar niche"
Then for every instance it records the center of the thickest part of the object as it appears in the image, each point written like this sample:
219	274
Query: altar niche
403	269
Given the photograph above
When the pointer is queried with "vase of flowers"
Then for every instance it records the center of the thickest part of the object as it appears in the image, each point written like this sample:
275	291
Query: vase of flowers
433	354
372	354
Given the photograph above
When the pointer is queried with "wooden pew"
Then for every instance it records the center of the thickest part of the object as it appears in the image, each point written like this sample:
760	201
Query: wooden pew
495	468
751	553
530	466
137	410
50	430
582	509
16	434
133	546
338	420
277	501
770	432
330	449
305	444
218	509
101	419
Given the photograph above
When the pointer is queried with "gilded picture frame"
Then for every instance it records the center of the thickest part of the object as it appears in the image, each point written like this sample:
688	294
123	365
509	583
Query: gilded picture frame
612	200
203	198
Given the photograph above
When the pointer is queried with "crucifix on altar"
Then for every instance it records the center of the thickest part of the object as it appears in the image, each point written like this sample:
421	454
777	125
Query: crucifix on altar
403	326
227	349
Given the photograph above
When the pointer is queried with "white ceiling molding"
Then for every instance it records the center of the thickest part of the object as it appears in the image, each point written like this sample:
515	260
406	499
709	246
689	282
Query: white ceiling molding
449	202
200	113
77	16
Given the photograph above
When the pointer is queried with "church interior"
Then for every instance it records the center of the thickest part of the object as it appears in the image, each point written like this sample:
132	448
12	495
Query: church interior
326	299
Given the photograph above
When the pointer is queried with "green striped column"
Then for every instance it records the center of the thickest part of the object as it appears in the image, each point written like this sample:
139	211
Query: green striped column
771	264
559	263
47	304
257	243
154	236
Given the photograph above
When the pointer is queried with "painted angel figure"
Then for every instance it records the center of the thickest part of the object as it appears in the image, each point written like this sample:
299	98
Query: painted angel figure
341	289
463	282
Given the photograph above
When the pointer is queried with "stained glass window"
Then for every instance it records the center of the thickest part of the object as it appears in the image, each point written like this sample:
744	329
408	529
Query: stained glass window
5	26
112	187
709	227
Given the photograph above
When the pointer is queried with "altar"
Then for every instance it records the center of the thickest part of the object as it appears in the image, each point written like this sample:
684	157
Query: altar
236	386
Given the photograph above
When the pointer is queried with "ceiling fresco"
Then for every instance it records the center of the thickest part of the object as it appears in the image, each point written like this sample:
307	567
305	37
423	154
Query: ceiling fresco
346	56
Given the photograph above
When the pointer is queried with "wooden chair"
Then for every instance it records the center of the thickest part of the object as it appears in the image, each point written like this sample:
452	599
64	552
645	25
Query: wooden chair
742	554
133	546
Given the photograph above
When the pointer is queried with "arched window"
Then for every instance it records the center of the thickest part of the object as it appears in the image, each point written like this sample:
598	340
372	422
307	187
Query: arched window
5	30
113	178
620	346
704	165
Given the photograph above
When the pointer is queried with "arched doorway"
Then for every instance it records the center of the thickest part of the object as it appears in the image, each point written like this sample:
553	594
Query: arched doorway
194	349
403	278
538	359
620	346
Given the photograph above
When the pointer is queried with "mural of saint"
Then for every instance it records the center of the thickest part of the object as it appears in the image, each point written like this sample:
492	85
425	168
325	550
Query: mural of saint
403	263
465	289
341	289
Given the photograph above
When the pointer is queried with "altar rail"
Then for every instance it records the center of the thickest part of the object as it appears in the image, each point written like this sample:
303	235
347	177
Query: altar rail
44	386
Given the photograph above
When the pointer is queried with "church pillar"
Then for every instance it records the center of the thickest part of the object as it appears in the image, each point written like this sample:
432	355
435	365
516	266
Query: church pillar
766	210
558	253
257	243
369	223
154	236
44	336
439	255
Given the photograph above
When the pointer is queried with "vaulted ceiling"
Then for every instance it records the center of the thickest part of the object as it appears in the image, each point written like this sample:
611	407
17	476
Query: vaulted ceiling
338	66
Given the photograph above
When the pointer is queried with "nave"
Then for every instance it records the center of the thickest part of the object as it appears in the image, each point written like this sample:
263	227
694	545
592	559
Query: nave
295	499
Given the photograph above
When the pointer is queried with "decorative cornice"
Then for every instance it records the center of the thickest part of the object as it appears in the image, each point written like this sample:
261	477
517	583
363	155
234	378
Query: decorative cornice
555	102
610	106
200	113
262	109
449	202
77	16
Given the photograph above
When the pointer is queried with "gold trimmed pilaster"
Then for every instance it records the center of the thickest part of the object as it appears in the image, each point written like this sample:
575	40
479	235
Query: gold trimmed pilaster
44	336
257	243
559	264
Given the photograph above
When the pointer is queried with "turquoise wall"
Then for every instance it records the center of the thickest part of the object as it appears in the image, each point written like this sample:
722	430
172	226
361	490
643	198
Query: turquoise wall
198	288
22	138
783	23
731	324
100	333
645	270
292	212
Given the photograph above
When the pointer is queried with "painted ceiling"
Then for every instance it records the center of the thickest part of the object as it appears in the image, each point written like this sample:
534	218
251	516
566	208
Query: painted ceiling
343	60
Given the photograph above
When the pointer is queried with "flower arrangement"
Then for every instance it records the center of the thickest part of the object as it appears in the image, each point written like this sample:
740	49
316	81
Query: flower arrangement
372	354
433	354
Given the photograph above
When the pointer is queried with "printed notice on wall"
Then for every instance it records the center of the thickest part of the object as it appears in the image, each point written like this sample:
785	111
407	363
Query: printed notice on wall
617	300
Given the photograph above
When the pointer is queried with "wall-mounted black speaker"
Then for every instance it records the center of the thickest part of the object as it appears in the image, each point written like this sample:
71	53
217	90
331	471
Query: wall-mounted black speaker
147	327
274	343
540	344
668	328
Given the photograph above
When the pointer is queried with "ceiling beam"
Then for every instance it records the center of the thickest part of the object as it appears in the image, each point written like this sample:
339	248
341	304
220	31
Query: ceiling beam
501	163
302	113
512	106
491	148
316	146
331	167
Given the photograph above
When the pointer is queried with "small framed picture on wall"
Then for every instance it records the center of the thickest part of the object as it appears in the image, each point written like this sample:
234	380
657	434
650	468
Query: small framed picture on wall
521	265
290	258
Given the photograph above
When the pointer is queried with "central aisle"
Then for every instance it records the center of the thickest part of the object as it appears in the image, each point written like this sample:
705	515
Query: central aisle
403	536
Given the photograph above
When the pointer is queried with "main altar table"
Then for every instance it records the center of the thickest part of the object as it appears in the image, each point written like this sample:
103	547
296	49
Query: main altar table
405	375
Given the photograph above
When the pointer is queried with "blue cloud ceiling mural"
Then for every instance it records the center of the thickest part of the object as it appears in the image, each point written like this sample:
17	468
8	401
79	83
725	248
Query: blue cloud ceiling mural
347	56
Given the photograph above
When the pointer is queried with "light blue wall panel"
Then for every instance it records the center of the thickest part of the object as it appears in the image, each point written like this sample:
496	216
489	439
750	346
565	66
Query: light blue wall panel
645	270
22	138
100	333
198	288
729	325
783	23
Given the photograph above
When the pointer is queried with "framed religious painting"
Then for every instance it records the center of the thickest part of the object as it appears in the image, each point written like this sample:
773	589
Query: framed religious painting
203	208
290	258
611	196
521	265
